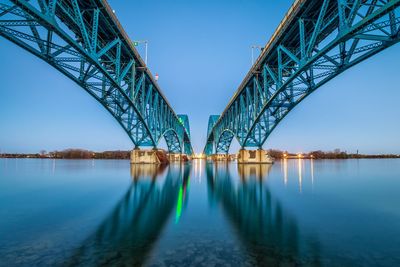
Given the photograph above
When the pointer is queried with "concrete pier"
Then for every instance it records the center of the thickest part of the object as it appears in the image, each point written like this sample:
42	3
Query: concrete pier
152	156
177	157
258	156
219	157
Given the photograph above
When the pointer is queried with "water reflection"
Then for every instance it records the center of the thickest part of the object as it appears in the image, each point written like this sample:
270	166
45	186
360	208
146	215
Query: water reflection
312	173
303	171
253	171
198	169
128	235
183	195
53	212
285	171
270	233
300	169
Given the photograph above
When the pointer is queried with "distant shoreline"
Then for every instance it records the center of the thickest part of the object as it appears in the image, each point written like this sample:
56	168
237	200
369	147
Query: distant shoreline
125	155
70	154
337	154
287	158
351	157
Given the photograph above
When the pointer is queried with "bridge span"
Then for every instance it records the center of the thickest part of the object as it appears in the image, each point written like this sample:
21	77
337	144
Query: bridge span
84	40
316	41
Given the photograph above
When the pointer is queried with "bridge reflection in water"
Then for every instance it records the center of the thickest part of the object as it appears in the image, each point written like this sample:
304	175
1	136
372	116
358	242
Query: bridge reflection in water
157	196
270	233
128	235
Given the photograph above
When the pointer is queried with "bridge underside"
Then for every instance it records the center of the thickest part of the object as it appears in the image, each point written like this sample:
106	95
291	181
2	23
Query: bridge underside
317	41
84	41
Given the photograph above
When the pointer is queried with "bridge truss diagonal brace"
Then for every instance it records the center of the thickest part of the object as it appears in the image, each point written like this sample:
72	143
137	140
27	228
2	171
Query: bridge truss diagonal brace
333	46
96	66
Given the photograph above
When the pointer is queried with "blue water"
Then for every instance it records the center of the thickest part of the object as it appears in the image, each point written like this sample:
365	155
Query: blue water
106	213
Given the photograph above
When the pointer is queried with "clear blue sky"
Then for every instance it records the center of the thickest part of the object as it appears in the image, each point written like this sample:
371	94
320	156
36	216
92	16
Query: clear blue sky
201	50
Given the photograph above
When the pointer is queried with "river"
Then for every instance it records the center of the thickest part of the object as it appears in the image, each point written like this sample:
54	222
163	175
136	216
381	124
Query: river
108	213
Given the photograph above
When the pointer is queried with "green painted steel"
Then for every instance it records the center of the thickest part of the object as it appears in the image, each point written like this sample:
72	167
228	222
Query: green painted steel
184	120
316	41
85	42
208	150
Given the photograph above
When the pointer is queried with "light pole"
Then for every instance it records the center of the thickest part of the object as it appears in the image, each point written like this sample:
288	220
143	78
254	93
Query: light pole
252	52
145	42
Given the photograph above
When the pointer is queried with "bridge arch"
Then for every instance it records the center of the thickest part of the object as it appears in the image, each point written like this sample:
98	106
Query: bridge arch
84	41
224	141
174	143
316	41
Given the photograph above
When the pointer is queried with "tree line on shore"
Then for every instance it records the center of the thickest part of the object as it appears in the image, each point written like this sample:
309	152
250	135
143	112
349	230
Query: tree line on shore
122	154
318	154
73	154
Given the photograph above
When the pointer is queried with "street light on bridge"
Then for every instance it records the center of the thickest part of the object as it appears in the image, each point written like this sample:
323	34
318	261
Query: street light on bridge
145	42
252	51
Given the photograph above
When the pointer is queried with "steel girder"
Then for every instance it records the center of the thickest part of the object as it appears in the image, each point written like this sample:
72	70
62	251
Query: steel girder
85	42
187	147
317	41
209	148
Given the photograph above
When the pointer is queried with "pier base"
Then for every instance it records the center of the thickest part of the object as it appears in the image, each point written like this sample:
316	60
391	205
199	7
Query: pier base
177	157
220	157
258	156
152	156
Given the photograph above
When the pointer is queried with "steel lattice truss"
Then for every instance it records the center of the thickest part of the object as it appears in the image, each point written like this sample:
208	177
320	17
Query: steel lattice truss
316	41
208	150
84	41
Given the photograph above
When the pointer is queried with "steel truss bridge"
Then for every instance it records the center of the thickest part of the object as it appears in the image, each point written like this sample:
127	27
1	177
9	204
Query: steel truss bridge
316	41
85	42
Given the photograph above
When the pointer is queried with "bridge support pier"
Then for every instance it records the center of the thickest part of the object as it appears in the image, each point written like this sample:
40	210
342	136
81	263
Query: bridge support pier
219	157
148	156
259	156
177	157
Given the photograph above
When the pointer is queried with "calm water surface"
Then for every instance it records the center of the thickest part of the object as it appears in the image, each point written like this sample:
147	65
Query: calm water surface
293	213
